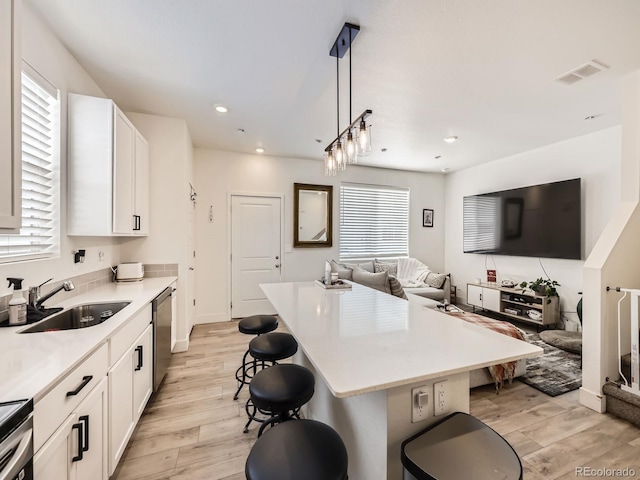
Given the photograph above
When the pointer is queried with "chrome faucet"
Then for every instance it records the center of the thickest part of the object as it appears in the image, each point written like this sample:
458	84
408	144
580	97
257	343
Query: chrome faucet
34	293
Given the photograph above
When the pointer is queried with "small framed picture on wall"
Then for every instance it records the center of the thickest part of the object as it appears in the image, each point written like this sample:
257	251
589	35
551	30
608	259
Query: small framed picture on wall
427	217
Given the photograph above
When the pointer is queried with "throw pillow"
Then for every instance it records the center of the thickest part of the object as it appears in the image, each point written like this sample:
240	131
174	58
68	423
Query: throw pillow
367	266
391	268
343	272
379	281
435	280
396	287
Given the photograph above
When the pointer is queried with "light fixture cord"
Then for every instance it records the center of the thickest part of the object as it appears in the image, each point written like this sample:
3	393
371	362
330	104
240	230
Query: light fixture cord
338	95
350	42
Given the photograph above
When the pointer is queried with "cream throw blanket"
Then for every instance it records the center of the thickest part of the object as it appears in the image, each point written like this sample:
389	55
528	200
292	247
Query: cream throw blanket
412	272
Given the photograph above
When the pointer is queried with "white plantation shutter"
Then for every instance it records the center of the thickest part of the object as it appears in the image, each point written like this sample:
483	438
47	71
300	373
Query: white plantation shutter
374	221
39	234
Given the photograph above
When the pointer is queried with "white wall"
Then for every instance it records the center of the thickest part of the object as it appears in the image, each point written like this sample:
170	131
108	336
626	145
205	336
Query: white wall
44	52
595	158
217	173
170	225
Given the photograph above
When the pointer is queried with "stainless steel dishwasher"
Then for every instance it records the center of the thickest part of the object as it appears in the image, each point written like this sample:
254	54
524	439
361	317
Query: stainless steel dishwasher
161	320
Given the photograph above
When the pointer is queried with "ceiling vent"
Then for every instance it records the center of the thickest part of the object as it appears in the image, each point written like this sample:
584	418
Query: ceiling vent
583	71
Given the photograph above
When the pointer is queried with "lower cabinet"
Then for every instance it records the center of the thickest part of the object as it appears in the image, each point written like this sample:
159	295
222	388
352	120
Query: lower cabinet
483	297
130	386
78	448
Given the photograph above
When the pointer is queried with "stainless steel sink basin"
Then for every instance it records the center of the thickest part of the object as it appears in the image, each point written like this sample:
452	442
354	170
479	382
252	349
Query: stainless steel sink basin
81	316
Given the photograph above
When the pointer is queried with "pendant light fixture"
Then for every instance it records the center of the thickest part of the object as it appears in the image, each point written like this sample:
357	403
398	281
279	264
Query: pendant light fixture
355	140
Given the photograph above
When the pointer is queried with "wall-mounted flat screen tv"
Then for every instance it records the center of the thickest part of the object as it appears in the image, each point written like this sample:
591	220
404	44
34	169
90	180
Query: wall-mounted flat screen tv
537	221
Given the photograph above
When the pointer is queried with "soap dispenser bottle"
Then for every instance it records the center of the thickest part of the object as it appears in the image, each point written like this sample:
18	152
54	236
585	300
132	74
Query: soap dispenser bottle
17	304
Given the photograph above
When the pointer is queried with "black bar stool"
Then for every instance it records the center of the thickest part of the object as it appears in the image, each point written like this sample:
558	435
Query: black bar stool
253	325
304	449
279	392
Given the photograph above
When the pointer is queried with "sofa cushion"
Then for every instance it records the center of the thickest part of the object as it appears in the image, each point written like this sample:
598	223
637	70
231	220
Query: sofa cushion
367	266
378	281
343	272
428	292
391	268
396	287
435	280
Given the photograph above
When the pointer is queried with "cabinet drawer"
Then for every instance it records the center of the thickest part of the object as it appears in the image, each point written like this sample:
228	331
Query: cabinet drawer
122	340
51	411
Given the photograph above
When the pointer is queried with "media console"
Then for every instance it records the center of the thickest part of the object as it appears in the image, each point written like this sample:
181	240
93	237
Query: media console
511	302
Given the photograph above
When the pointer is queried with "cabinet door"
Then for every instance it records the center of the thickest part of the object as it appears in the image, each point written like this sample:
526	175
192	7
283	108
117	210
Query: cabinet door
142	371
123	172
141	191
53	460
10	118
121	422
92	414
474	295
491	299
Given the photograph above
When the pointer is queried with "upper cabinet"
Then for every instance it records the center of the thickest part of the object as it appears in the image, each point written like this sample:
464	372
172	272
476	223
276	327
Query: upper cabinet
108	171
10	118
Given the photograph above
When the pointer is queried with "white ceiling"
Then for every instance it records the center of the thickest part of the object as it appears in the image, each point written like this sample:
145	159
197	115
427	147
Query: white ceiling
481	70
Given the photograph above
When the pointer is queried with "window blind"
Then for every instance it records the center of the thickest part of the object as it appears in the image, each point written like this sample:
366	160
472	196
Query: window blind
374	221
39	236
480	217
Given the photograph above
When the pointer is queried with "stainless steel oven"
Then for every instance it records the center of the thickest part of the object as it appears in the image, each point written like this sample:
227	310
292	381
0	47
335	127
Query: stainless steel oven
16	440
161	319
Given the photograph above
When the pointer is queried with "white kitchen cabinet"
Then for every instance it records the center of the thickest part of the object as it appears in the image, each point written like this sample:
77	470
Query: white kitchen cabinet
77	449
130	386
10	118
108	170
483	297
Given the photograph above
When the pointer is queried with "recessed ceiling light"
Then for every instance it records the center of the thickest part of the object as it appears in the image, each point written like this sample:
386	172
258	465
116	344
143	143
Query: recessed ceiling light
383	150
438	157
444	169
591	117
241	130
318	140
221	108
450	139
259	150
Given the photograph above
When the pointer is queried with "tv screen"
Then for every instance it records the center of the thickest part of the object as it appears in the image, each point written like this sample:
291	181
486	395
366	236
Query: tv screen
537	221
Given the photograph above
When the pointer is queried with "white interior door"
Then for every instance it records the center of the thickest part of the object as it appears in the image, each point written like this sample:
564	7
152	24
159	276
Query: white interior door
256	255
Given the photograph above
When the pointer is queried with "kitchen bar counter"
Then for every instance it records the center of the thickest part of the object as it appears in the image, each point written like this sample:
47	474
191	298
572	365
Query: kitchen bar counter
33	362
368	350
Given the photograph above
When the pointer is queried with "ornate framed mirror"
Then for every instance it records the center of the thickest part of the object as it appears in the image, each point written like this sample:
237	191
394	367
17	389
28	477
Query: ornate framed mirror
312	215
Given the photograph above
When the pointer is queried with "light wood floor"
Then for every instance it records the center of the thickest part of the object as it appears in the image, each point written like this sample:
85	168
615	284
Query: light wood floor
192	428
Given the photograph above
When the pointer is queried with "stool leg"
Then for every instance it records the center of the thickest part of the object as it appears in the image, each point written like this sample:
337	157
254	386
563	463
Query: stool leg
242	368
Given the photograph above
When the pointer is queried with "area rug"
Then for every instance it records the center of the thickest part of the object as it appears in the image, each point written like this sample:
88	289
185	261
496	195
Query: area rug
555	372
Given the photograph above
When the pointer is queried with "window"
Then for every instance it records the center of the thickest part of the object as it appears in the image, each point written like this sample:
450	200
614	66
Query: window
374	221
39	235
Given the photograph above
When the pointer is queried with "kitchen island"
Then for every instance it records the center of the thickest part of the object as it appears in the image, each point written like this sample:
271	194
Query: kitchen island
368	350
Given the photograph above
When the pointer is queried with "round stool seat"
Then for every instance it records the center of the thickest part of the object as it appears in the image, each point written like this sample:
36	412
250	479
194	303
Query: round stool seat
258	324
282	388
273	346
300	449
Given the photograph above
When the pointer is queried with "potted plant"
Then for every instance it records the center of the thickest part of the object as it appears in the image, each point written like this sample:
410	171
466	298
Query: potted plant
541	286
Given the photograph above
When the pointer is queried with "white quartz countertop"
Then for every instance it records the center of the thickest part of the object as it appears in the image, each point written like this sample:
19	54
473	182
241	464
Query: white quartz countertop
32	363
363	340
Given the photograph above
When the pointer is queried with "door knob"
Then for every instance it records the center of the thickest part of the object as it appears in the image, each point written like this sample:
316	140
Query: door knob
190	268
277	257
277	266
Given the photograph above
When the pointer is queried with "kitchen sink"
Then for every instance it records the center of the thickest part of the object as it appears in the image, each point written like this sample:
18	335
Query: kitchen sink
81	316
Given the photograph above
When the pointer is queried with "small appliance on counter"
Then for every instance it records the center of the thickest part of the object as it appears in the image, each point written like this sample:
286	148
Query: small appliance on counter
130	272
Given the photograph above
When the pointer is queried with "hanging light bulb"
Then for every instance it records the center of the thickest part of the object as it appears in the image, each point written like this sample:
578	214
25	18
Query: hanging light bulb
350	148
339	155
330	164
364	139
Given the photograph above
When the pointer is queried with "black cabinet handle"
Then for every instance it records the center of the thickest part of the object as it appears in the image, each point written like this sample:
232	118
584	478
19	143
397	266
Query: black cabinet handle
139	350
136	222
85	381
139	222
85	419
78	426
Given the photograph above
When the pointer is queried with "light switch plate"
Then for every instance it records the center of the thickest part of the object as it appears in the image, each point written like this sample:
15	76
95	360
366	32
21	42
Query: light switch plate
419	403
